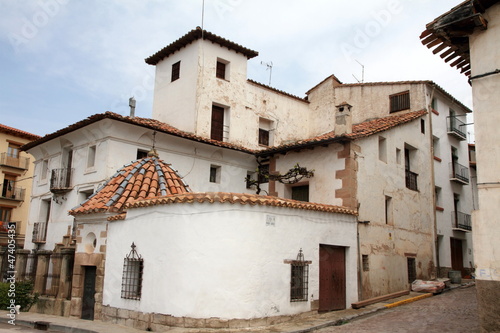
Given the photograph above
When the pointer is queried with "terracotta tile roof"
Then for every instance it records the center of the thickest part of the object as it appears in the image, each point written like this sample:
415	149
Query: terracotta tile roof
277	90
146	178
143	122
193	35
361	130
242	199
18	132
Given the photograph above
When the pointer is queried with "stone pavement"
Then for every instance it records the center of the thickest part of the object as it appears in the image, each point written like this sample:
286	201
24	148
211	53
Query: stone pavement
299	325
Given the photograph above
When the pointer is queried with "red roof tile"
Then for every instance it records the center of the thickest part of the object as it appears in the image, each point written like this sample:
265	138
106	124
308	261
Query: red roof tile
242	199
116	193
18	132
193	35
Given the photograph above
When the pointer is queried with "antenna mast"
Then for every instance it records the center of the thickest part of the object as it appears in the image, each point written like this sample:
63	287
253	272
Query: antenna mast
362	73
202	14
269	66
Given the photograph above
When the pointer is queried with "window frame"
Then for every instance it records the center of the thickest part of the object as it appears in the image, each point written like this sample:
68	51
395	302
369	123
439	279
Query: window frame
221	67
399	102
176	71
132	276
299	278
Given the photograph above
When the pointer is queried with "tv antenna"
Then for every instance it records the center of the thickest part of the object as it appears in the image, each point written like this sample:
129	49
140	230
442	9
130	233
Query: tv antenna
202	14
269	66
362	73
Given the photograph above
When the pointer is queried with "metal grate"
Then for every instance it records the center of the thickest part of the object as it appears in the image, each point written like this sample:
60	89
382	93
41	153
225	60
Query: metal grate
400	101
299	282
366	263
133	266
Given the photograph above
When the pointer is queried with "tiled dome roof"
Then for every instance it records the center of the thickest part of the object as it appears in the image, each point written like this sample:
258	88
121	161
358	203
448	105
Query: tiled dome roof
146	178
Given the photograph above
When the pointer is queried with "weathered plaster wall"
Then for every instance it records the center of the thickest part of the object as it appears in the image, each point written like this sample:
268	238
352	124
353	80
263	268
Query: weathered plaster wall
212	264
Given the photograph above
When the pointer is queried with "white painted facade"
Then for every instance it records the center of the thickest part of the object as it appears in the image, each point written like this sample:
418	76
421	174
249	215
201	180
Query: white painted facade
224	260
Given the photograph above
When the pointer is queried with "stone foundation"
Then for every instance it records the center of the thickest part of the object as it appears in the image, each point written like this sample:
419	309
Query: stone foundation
488	296
157	322
52	306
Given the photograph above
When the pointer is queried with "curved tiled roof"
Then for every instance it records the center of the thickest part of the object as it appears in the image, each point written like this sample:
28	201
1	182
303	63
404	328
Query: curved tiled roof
18	132
193	35
146	178
242	199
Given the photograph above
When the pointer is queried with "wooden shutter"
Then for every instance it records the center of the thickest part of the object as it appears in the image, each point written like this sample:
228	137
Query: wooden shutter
221	70
217	129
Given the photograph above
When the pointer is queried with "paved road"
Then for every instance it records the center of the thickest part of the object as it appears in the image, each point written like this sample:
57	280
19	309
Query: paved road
453	311
4	327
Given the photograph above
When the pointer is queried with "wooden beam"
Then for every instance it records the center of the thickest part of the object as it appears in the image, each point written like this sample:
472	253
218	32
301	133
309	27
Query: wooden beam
366	302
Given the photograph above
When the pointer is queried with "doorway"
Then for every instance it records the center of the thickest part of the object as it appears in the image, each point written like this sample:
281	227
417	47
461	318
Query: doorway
88	300
332	279
457	258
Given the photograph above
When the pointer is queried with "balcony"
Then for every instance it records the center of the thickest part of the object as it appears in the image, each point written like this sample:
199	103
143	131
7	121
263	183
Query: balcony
12	193
456	128
60	180
39	232
459	173
5	236
14	161
461	221
6	226
411	180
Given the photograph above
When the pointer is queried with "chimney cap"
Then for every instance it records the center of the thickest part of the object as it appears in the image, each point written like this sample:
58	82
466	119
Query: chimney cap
344	104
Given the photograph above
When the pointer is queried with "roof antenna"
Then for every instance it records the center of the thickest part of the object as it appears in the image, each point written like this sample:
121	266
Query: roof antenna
362	73
269	67
202	16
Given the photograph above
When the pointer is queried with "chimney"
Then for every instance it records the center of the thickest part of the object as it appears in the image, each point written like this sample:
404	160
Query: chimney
343	119
131	103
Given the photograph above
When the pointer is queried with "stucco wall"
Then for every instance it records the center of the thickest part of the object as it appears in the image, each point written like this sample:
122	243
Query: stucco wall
222	260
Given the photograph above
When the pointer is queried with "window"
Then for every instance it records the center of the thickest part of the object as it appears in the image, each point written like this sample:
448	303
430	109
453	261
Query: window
9	190
410	177
215	174
437	198
13	150
300	193
265	126
263	137
400	101
299	278
40	228
141	154
263	173
435	147
5	215
133	267
250	177
388	210
91	157
45	170
434	104
422	126
217	129
365	262
220	71
412	270
398	156
382	149
176	71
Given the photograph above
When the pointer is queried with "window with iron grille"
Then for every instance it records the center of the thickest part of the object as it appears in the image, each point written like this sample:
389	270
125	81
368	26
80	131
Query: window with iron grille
412	270
176	71
299	278
400	101
366	263
133	267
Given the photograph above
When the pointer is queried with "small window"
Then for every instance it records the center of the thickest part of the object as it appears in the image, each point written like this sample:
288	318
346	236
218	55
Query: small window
382	149
434	104
176	71
250	177
263	137
435	146
141	154
300	193
265	126
422	126
400	101
215	174
398	156
299	278
221	70
263	173
217	126
388	210
437	196
412	270
13	150
133	267
366	263
45	170
91	157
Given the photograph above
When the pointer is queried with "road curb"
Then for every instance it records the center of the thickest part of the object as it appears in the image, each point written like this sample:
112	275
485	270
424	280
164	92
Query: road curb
406	301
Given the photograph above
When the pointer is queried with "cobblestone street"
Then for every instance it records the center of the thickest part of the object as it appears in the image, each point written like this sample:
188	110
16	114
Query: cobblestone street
453	311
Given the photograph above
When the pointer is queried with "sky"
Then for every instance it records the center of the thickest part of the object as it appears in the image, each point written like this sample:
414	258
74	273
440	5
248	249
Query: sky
64	60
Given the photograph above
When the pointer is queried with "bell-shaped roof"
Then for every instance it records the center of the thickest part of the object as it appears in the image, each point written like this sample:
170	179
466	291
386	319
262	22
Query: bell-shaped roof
146	178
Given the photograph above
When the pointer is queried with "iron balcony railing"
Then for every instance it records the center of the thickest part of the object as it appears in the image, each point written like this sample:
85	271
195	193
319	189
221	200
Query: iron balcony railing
461	220
14	161
456	127
411	180
10	225
60	180
12	193
459	173
39	232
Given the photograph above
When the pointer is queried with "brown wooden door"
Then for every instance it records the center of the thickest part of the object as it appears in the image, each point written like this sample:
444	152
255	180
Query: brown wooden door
457	259
217	128
332	284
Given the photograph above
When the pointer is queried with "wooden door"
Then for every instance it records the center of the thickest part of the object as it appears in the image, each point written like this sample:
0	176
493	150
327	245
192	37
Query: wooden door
332	281
217	129
457	259
88	300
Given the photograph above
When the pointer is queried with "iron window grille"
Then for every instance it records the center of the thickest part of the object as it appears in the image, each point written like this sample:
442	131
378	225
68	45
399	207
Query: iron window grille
133	267
366	263
176	70
299	278
400	101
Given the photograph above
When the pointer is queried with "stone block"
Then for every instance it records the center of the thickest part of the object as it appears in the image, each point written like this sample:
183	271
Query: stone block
278	320
160	319
110	311
216	323
76	307
133	314
174	321
257	322
121	321
103	234
194	322
122	313
239	323
141	325
144	316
